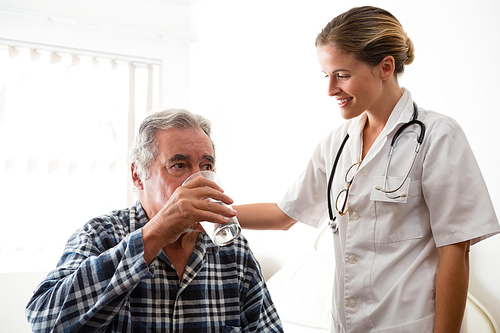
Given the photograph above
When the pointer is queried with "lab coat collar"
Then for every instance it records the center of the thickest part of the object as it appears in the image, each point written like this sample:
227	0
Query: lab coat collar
402	113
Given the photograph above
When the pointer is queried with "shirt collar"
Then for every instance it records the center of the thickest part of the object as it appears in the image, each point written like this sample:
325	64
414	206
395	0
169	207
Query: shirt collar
207	243
401	114
138	217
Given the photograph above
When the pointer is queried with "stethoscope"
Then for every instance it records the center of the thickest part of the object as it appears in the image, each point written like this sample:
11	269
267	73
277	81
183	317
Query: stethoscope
388	192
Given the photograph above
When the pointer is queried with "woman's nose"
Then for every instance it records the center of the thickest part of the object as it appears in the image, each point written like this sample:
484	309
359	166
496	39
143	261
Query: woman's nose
333	88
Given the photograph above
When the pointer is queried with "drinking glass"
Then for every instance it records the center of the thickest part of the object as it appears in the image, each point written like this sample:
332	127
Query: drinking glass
220	234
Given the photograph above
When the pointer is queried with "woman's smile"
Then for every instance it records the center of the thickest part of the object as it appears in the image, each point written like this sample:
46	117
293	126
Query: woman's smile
344	101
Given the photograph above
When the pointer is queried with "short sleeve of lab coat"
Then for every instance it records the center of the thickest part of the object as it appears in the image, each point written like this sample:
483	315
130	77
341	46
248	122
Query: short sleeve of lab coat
454	189
305	200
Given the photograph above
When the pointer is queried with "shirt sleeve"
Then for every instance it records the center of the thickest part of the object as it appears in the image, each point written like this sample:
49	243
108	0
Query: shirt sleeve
454	189
89	286
258	313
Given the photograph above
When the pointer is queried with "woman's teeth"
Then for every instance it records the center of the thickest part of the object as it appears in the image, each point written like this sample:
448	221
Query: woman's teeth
344	100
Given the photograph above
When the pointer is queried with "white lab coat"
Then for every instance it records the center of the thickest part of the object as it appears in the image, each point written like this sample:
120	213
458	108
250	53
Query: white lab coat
386	252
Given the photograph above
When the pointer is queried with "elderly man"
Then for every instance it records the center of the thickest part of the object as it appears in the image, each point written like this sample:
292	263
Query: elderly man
147	268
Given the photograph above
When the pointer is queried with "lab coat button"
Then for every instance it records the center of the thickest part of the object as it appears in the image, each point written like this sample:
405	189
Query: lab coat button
355	216
351	303
352	259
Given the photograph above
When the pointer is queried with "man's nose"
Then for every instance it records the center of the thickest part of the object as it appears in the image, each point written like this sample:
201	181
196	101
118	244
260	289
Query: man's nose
196	169
188	177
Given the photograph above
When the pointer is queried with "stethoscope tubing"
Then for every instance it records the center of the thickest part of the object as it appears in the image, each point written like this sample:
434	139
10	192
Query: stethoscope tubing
332	174
333	224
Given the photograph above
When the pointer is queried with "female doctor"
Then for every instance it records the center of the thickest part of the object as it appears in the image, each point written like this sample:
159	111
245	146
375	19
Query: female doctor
402	223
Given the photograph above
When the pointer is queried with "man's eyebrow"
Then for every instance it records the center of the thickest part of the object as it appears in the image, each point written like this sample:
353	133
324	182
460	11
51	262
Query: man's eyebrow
210	158
178	157
181	157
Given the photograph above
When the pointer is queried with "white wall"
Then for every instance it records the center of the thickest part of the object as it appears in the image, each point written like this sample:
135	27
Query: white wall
254	73
251	68
147	28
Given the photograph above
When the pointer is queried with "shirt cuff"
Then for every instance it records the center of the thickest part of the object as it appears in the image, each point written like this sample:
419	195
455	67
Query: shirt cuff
137	246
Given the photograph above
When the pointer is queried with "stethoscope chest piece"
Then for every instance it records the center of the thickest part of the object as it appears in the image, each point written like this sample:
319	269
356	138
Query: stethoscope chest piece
333	225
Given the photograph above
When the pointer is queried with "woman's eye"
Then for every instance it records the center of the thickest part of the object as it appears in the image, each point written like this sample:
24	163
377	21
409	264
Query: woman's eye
338	76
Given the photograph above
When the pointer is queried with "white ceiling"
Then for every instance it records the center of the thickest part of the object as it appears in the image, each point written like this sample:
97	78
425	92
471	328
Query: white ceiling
161	17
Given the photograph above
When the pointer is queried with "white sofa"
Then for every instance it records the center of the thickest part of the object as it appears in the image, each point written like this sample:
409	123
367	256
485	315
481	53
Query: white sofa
301	291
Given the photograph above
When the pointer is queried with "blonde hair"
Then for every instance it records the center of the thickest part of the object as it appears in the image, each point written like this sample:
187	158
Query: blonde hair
370	34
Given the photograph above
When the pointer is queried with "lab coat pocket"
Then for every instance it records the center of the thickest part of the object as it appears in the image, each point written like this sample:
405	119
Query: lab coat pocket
397	222
424	325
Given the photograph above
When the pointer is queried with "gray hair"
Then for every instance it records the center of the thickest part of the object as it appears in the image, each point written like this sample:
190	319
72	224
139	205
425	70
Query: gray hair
144	150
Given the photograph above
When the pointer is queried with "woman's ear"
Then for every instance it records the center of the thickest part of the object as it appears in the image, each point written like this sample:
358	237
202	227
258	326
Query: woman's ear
135	177
387	66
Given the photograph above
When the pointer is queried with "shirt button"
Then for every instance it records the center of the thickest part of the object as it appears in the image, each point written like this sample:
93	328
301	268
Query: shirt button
351	303
354	216
352	259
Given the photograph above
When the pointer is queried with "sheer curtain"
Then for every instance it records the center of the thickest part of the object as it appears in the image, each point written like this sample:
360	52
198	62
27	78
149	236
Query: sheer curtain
67	118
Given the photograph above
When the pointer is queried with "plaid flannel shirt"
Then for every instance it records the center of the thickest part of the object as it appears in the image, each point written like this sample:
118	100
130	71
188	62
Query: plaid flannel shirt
103	284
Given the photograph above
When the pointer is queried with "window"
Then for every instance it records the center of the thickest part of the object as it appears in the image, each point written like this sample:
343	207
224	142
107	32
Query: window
67	118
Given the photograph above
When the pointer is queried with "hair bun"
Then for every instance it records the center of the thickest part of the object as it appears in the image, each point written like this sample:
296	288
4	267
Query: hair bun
371	34
410	52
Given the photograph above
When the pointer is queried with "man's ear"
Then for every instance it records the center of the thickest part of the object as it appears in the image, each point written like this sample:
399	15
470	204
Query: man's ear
135	177
387	66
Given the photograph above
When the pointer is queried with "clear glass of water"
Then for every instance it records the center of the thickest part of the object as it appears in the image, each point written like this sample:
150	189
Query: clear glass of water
220	234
